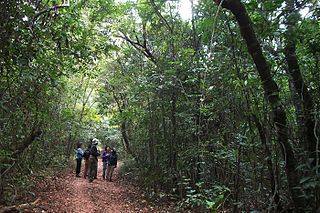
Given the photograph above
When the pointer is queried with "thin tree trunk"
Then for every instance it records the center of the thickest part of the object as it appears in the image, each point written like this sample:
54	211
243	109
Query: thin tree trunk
165	131
268	156
173	141
126	141
121	104
152	146
237	180
298	113
272	93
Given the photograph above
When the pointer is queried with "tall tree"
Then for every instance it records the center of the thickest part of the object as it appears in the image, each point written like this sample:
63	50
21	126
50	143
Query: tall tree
271	90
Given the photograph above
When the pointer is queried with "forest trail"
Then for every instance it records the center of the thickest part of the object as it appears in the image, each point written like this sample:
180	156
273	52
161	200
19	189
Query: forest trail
68	193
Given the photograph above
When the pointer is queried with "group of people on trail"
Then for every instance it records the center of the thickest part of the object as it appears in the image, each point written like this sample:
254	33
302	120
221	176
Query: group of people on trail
90	156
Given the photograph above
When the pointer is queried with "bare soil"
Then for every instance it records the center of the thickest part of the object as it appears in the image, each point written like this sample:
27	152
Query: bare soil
67	193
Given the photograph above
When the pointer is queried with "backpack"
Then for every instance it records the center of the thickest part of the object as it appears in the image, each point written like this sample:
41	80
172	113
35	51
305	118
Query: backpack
94	152
86	154
113	158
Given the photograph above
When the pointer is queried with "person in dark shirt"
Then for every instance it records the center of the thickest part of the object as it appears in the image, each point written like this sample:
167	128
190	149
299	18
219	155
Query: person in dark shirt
93	159
105	157
86	156
112	163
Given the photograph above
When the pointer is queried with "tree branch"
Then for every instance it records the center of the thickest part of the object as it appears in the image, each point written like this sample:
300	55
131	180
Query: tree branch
156	9
20	207
36	132
47	10
141	47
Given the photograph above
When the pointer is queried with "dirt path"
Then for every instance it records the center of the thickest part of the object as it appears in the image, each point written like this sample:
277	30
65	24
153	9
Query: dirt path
71	194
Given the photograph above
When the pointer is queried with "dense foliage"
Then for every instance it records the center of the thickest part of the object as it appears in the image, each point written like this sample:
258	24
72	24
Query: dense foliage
220	111
47	76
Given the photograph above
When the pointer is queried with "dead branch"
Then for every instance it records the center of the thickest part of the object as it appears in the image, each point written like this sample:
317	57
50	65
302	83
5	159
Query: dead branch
19	207
8	169
156	9
140	47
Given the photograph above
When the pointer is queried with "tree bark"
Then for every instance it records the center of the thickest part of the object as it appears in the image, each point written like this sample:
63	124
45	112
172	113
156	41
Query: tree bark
165	130
173	142
268	156
271	91
152	138
36	132
152	147
237	179
305	98
126	141
121	104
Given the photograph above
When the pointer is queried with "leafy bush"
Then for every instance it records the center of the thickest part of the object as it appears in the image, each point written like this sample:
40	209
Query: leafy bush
203	199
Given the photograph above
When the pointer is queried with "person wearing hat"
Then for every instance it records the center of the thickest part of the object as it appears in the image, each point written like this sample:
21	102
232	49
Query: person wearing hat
93	160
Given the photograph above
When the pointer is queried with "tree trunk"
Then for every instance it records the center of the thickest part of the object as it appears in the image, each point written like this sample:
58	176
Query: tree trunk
35	133
126	141
165	131
298	113
237	180
152	142
307	105
173	142
268	156
272	94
